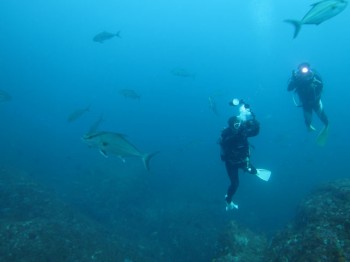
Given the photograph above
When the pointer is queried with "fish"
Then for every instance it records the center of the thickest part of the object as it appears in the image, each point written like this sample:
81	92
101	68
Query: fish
110	143
182	73
103	36
4	96
319	12
129	93
212	105
77	114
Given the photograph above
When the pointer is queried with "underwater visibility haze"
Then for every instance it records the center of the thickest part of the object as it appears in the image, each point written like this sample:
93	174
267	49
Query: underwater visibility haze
159	76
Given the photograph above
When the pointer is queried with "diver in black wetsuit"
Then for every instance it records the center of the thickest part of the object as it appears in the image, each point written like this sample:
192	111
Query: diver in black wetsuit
235	150
308	85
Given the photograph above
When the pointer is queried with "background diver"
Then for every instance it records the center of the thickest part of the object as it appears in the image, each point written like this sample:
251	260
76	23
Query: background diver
308	84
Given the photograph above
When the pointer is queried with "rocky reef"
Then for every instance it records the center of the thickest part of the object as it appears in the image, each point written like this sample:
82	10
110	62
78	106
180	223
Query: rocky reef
320	232
321	229
37	226
240	244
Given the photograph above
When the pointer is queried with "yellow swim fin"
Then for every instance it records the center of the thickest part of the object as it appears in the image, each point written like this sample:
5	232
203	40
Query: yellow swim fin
323	136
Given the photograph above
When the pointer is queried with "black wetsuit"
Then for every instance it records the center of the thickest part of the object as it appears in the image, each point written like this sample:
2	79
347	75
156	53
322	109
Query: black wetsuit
309	89
235	152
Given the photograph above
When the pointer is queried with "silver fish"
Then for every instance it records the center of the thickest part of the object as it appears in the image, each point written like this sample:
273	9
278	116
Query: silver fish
116	144
103	36
212	105
182	73
4	96
129	93
77	114
319	12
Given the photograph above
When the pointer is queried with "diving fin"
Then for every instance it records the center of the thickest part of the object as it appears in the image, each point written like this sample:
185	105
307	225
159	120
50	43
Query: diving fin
323	136
263	174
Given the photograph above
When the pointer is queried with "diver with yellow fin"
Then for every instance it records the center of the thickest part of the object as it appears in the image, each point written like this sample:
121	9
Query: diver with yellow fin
308	85
235	150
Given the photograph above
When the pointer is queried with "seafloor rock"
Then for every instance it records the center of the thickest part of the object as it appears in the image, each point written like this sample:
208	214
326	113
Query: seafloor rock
321	230
36	226
238	244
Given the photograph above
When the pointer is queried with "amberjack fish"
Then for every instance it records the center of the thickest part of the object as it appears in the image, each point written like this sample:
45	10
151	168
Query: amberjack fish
181	72
116	144
103	36
212	105
77	114
129	93
319	12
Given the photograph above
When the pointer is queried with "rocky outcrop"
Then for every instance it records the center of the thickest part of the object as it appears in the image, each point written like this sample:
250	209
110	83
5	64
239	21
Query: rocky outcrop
238	244
36	226
321	230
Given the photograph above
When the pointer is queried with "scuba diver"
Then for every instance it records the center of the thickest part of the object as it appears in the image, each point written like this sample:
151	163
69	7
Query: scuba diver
309	86
235	151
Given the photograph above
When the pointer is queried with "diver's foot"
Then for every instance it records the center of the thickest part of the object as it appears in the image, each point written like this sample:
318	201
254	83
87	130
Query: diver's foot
230	206
310	128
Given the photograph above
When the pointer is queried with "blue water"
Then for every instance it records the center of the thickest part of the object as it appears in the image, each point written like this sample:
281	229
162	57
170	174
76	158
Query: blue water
51	67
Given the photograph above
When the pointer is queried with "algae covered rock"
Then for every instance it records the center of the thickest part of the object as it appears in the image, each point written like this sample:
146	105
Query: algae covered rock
36	226
321	230
240	244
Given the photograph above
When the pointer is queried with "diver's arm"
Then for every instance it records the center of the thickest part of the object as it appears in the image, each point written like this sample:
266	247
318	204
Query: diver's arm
251	128
318	86
291	82
291	85
318	81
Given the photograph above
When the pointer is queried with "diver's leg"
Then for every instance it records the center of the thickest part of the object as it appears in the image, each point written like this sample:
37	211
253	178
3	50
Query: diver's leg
232	171
251	169
308	118
320	113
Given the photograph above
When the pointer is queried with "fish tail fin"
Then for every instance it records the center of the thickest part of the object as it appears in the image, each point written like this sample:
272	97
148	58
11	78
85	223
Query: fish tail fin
297	26
118	34
146	158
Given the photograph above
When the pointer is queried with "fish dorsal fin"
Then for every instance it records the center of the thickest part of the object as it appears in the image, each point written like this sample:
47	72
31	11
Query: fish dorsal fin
314	4
121	135
92	135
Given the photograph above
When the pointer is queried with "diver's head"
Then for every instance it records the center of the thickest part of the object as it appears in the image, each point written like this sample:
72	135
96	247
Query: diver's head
234	123
304	71
304	68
